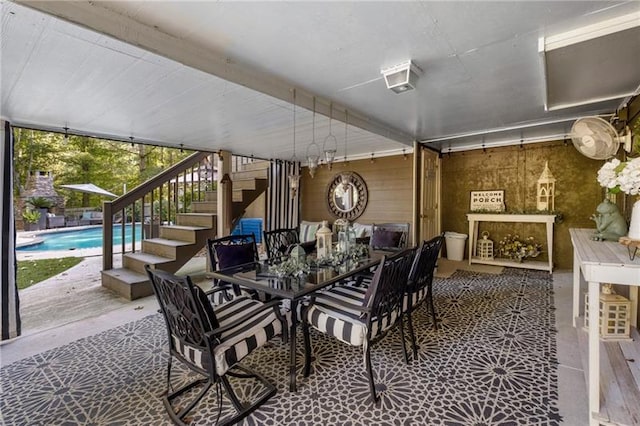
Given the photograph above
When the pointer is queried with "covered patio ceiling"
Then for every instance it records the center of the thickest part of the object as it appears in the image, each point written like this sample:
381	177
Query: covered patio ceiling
221	75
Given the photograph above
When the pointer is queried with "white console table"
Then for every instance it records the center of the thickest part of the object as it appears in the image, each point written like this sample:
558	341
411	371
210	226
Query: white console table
603	262
475	218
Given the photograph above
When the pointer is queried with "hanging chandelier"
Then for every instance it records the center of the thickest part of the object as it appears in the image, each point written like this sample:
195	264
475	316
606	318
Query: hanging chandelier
313	150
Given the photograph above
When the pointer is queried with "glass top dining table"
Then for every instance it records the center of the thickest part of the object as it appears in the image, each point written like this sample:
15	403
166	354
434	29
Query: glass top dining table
259	276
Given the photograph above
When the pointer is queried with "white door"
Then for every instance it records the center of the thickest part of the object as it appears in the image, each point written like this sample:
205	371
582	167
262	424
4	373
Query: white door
430	195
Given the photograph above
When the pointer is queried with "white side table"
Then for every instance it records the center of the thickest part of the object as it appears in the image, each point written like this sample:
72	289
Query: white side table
475	218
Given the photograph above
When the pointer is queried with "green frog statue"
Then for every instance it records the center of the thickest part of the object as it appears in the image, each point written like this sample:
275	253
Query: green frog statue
610	225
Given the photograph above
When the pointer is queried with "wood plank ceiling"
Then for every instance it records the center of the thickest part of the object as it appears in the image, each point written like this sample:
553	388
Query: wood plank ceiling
220	75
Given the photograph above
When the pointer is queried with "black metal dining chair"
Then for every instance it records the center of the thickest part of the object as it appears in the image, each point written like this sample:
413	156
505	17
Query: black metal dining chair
389	236
420	283
227	252
278	241
211	341
361	316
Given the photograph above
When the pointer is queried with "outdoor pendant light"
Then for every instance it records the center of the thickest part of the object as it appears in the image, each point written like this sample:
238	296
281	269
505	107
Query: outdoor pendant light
330	145
294	177
345	177
313	150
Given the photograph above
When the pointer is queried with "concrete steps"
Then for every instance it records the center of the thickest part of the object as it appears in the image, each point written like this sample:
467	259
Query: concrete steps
178	243
127	283
250	174
181	232
250	184
205	219
136	261
203	206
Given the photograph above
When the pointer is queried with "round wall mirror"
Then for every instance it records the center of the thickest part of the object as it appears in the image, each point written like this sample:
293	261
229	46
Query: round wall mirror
347	195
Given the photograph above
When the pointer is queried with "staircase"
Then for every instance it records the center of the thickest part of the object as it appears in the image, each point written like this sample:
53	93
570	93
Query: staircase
177	244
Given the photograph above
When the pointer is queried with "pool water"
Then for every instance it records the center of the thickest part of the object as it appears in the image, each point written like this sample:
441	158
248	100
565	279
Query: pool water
82	238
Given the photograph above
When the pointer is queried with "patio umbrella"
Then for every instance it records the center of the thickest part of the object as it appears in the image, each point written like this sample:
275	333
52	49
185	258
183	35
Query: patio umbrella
90	189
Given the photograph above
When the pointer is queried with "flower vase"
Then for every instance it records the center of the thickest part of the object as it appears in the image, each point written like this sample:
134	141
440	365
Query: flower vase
634	226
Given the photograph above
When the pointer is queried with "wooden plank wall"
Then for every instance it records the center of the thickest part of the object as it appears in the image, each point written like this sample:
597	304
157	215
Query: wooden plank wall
389	182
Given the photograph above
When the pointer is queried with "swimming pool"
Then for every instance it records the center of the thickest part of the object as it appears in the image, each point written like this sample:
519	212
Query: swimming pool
81	238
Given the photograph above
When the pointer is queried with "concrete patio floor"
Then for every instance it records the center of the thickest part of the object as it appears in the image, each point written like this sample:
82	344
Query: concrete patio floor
73	305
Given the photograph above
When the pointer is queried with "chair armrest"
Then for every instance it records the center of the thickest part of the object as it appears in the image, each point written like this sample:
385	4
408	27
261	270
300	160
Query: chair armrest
217	288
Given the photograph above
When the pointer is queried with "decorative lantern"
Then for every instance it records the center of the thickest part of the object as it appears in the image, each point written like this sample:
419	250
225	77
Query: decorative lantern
484	247
294	183
297	253
546	189
323	240
614	312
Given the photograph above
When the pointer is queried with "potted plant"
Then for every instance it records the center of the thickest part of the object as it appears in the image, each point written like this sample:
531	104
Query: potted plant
42	205
31	218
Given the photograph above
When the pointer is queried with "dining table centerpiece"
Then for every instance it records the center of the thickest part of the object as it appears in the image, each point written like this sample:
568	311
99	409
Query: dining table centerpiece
337	258
290	267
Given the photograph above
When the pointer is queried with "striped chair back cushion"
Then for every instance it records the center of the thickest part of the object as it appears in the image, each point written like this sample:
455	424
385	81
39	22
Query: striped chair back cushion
413	299
342	323
190	353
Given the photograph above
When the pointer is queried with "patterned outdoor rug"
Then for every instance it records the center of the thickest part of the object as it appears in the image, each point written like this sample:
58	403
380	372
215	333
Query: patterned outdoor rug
492	362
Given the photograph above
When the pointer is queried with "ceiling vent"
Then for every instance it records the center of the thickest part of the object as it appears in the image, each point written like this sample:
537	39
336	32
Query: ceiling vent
402	77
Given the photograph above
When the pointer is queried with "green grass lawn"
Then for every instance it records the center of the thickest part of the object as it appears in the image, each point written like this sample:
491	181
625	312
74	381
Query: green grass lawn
31	272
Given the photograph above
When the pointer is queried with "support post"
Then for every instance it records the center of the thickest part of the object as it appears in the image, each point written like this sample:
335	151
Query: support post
224	194
107	235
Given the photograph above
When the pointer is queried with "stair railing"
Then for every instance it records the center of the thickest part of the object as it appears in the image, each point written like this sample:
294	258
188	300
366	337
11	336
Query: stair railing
155	202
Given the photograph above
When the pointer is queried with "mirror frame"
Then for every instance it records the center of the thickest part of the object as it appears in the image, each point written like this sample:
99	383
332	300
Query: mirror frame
361	204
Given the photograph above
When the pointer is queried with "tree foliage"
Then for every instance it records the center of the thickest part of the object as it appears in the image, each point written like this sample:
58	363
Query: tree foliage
79	159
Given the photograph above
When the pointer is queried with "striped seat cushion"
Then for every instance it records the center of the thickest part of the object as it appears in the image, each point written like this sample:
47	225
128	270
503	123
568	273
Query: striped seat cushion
239	341
412	299
339	321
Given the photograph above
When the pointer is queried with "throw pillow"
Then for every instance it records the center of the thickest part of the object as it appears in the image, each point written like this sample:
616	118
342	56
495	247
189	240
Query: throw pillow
308	231
383	238
234	254
361	230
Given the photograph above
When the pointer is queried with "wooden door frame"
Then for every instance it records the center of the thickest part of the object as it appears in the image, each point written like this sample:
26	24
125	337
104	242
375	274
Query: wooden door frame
418	193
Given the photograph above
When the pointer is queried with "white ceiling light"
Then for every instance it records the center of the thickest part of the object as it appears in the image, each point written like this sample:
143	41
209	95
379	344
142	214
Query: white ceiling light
402	77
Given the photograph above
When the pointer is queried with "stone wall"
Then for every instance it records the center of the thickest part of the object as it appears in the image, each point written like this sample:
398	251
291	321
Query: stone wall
40	184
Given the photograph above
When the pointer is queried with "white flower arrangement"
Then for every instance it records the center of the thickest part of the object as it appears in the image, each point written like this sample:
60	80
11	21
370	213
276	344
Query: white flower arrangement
337	258
290	267
619	176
